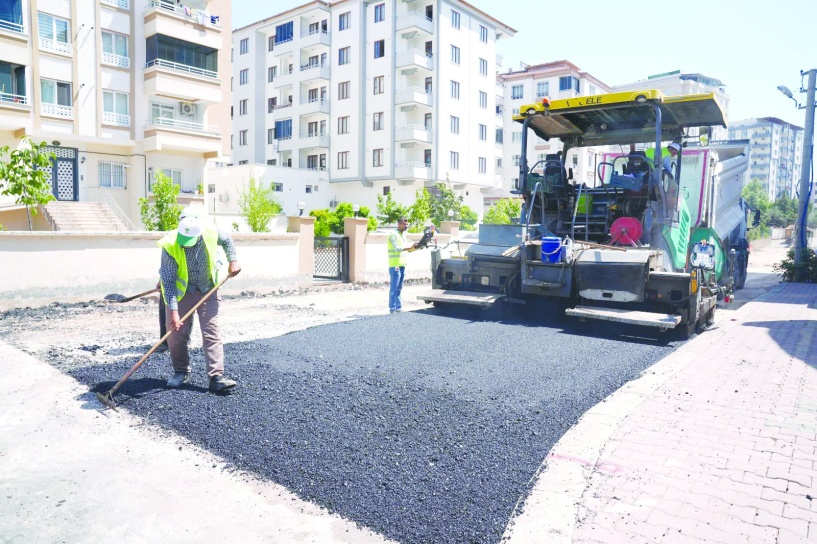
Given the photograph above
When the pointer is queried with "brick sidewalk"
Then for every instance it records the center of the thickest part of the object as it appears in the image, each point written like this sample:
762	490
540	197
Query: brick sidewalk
717	443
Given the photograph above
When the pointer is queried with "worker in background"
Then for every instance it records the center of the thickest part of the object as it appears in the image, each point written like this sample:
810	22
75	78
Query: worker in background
671	160
670	166
397	264
188	271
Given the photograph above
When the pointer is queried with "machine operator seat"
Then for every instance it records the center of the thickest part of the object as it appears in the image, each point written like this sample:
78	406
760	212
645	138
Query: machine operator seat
637	164
554	172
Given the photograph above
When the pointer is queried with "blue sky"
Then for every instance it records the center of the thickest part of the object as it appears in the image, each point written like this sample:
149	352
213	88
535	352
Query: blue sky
751	45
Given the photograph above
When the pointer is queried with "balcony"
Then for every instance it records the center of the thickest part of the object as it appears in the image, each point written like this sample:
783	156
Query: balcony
279	145
8	98
121	4
413	97
115	119
175	134
180	81
311	72
411	135
284	47
13	28
183	22
315	105
500	90
410	61
314	139
412	23
313	38
57	110
15	112
411	171
282	80
54	46
117	61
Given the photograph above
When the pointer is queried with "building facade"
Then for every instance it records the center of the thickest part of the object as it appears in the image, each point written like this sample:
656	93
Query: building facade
554	81
775	153
378	97
120	89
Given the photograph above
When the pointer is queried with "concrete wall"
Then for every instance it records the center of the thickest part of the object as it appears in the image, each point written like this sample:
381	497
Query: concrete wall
14	218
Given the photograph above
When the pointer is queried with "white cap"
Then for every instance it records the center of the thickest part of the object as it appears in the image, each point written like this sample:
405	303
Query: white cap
675	146
189	231
189	211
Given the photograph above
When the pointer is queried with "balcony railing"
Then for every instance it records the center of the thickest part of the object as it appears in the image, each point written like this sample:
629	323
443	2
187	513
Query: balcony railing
415	57
314	32
55	46
416	19
122	4
414	94
15	98
182	68
12	27
112	59
182	10
57	110
184	125
116	119
282	106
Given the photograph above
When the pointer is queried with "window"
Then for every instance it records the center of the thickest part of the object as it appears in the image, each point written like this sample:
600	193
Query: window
455	19
568	83
515	111
271	103
377	157
114	43
272	73
270	43
242	106
455	54
483	67
343	55
160	47
244	76
386	190
283	33
499	162
455	90
308	189
344	20
379	49
429	85
455	125
243	162
162	111
483	165
242	137
56	92
483	100
343	160
312	162
516	160
500	135
245	46
283	129
272	162
343	90
117	104
483	132
174	175
279	187
111	174
312	129
517	92
270	135
52	28
592	89
377	121
516	137
378	85
483	34
427	157
454	159
343	125
542	89
379	13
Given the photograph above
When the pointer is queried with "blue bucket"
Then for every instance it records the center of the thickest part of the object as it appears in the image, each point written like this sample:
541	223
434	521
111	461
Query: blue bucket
551	249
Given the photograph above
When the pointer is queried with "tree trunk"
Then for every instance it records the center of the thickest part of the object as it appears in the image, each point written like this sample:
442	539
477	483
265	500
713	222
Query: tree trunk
28	214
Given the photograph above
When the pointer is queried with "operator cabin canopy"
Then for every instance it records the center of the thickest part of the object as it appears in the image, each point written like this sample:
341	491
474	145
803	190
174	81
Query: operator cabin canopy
610	119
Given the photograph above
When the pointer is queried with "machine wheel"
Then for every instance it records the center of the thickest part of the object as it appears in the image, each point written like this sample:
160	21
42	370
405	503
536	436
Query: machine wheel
741	272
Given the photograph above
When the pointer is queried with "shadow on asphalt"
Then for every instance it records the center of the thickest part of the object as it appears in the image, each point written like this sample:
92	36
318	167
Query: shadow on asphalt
787	334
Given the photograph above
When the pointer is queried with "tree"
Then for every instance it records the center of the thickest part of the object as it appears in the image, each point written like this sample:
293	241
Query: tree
503	212
419	212
757	198
389	211
258	204
327	222
445	200
23	176
468	218
163	213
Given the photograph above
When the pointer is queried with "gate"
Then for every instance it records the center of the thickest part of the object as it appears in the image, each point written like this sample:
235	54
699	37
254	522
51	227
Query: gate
332	258
62	174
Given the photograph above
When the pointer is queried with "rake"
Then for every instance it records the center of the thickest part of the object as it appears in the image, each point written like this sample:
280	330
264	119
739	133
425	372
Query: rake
115	297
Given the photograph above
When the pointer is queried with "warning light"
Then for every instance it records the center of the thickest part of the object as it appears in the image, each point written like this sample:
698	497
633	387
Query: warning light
546	102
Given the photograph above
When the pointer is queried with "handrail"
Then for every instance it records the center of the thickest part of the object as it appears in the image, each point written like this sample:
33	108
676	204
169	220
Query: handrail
59	206
418	14
415	51
313	32
179	10
413	164
108	199
16	98
414	89
12	26
181	67
414	126
184	125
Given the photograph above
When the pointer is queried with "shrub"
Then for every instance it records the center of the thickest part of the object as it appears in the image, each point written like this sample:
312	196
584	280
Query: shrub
787	267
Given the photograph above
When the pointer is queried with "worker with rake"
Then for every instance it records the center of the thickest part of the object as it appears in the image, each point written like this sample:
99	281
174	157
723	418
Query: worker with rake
188	271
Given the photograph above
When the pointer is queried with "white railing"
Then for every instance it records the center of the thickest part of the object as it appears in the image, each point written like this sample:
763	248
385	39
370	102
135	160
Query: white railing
183	125
313	134
313	32
57	110
314	101
282	106
414	90
112	59
55	46
415	51
413	164
312	66
15	98
53	220
117	119
12	27
282	42
182	10
415	15
122	4
182	68
105	198
414	126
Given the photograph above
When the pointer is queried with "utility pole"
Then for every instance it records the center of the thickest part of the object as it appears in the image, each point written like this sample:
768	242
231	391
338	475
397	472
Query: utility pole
805	169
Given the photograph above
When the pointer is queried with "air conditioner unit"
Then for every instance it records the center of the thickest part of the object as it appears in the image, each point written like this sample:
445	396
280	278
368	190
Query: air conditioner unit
224	197
187	108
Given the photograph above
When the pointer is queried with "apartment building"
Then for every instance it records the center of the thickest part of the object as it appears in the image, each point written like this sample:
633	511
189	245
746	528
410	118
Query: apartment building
120	89
552	80
676	83
378	97
775	153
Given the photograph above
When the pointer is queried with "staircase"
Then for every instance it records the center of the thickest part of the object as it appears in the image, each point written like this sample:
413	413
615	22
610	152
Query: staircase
83	216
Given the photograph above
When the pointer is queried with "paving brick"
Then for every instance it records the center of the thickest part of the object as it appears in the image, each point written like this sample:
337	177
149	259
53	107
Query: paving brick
787	537
812	531
774	483
710	533
790	475
771	507
795	512
796	526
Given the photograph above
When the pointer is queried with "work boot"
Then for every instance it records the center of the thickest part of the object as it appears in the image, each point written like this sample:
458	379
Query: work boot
178	379
220	383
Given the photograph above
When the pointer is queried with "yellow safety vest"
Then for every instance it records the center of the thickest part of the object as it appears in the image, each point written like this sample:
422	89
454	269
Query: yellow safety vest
397	241
169	244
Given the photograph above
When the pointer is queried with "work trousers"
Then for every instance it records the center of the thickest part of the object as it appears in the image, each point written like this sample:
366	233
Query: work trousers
211	338
396	276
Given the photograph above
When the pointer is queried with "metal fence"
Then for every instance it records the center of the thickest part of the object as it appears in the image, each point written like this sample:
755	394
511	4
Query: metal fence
332	258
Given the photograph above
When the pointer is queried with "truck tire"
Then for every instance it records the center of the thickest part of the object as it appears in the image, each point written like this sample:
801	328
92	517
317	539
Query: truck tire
740	272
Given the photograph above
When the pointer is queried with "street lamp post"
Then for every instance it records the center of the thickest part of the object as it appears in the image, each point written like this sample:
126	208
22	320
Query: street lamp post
356	209
301	206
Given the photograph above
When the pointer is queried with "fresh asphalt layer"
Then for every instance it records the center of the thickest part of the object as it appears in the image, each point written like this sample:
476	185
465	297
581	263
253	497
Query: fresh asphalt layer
422	426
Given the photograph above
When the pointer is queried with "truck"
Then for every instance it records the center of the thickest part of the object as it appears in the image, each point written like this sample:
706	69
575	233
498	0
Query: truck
653	242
